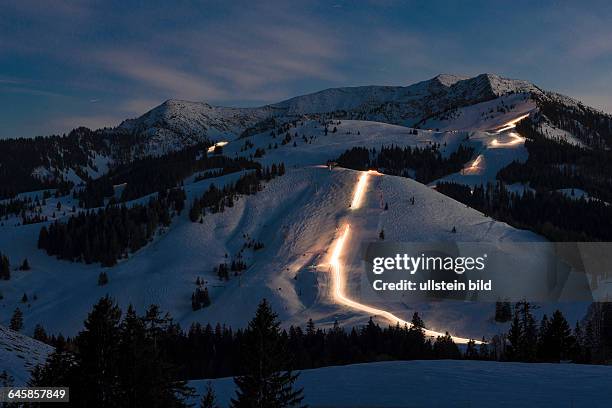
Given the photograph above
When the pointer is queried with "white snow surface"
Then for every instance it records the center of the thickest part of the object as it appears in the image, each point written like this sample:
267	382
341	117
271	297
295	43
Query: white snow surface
19	354
446	383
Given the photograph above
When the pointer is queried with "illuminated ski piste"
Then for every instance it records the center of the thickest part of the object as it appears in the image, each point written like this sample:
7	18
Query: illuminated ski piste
475	166
511	124
359	190
339	278
218	144
515	139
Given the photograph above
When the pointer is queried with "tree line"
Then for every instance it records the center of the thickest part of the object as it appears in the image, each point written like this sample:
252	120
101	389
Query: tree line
555	164
127	360
150	174
554	215
593	127
21	157
117	358
216	199
423	164
108	234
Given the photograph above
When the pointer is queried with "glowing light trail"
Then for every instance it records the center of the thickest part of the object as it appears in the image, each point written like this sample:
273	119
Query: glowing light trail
475	166
359	190
511	124
516	139
338	278
218	144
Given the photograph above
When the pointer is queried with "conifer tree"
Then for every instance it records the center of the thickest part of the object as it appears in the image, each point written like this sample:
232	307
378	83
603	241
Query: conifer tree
25	266
102	279
16	320
471	353
209	399
5	267
40	334
265	382
483	350
97	356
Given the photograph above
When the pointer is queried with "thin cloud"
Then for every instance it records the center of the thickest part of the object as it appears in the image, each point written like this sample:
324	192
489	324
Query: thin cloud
165	78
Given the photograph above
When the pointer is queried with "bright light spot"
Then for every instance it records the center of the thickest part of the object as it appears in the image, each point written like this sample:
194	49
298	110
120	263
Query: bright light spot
511	124
475	166
359	191
218	144
515	139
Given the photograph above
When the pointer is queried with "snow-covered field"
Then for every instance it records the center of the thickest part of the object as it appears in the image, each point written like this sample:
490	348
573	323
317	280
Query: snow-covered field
447	383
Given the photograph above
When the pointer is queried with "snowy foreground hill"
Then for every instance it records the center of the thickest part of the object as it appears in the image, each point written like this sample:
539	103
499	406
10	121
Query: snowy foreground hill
447	383
19	354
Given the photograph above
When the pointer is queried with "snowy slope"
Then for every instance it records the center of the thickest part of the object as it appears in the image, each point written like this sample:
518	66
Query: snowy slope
447	383
406	105
19	354
176	124
295	215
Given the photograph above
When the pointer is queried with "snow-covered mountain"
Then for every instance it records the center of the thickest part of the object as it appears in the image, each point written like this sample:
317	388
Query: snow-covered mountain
176	123
406	105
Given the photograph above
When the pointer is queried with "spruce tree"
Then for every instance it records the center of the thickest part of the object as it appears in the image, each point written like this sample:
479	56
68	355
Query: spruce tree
102	279
266	383
97	355
209	400
40	334
5	267
471	353
483	350
25	266
561	337
16	320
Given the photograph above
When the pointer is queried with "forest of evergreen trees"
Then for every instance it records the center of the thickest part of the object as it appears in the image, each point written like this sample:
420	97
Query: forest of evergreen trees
557	164
127	360
216	199
423	164
108	234
551	214
20	157
591	126
145	176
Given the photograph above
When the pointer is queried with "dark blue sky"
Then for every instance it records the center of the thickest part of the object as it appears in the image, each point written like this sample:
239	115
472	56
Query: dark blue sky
64	64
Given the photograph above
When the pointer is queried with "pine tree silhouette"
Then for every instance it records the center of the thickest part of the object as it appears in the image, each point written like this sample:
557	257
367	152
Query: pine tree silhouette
265	382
